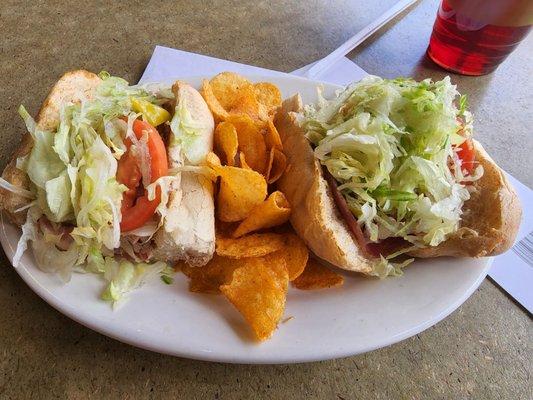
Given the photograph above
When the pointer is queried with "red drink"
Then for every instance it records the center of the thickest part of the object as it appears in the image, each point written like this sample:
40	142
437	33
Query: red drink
472	37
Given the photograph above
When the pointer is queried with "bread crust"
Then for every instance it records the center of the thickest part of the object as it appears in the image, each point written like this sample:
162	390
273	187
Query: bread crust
490	220
71	87
489	225
314	214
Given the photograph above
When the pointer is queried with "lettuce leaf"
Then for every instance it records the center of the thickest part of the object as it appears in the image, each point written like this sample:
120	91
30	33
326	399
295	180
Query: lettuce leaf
124	276
43	163
58	196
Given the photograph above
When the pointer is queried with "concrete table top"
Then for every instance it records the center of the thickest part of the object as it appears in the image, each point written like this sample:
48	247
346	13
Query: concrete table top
482	351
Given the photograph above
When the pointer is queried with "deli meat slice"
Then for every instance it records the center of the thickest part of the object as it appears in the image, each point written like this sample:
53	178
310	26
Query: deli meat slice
383	247
347	215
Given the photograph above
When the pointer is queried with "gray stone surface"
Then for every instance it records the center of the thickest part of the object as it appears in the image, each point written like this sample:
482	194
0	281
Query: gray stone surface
482	351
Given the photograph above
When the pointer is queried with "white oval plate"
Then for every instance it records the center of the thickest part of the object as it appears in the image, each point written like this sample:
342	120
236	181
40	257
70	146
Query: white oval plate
362	315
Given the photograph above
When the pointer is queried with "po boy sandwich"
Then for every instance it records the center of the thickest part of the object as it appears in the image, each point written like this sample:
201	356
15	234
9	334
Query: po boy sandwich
111	174
388	170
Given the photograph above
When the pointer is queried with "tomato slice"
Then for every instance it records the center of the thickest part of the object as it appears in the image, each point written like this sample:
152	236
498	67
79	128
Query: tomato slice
136	211
467	154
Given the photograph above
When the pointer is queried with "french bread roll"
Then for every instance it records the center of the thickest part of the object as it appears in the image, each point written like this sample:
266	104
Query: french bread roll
489	223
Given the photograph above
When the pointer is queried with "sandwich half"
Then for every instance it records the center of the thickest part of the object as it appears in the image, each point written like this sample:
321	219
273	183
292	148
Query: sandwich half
110	172
389	170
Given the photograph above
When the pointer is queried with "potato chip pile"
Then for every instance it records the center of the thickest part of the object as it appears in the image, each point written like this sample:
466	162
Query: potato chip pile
257	253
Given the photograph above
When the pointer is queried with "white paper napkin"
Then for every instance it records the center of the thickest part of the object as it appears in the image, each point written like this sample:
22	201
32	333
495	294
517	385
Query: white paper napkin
509	270
169	63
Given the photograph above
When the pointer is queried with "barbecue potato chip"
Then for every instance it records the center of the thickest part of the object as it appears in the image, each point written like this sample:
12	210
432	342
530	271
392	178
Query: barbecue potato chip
255	245
294	253
224	228
274	211
240	191
277	163
259	292
242	159
263	113
216	272
251	141
246	103
317	276
272	138
268	94
218	111
226	142
226	87
212	160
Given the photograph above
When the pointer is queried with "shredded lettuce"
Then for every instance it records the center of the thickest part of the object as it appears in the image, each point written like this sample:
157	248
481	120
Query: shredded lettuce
383	267
95	261
99	195
124	276
43	163
167	185
114	95
29	233
48	256
390	144
51	259
167	275
58	196
186	134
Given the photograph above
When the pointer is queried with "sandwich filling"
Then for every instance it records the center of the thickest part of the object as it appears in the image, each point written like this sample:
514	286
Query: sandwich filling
100	183
400	153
